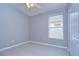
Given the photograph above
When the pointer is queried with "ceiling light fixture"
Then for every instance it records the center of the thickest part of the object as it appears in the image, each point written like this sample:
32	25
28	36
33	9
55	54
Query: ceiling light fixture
30	5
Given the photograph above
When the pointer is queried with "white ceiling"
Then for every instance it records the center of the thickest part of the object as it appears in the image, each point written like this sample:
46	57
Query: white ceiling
43	7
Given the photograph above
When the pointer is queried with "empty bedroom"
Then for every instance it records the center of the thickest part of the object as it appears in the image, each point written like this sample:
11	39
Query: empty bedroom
39	29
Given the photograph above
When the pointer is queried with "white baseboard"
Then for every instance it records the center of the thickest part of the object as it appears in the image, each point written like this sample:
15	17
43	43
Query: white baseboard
48	44
6	48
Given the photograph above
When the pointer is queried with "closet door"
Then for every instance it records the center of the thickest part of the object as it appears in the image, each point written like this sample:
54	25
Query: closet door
73	19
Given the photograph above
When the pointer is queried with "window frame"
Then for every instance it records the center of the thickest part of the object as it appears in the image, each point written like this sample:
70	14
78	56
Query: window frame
56	27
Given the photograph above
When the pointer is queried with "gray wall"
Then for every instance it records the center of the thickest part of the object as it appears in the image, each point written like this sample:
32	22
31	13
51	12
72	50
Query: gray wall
39	27
14	26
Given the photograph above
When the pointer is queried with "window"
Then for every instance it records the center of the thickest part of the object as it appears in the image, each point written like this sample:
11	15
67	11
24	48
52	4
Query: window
55	26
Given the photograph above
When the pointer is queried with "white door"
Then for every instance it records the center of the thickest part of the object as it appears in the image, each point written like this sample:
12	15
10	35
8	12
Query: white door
73	20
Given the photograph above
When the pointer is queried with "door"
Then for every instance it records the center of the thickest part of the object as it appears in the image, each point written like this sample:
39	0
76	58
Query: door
73	22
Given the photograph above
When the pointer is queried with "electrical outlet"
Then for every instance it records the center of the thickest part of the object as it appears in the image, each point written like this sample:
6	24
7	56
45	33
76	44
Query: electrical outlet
13	41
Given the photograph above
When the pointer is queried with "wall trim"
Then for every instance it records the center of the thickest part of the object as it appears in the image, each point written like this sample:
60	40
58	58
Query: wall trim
18	44
48	44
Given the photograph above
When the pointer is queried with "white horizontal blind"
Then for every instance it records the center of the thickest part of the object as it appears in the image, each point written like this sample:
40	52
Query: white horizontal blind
56	27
